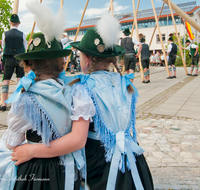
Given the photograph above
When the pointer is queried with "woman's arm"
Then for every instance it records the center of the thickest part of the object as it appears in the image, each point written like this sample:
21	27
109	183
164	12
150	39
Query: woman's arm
64	145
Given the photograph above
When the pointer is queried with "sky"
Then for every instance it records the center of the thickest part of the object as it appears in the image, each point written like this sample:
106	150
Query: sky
73	10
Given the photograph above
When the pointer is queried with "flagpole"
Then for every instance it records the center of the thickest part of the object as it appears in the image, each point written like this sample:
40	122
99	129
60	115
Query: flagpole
184	42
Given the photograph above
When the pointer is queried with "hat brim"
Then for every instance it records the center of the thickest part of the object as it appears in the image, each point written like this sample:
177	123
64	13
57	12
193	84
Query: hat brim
127	33
43	54
120	50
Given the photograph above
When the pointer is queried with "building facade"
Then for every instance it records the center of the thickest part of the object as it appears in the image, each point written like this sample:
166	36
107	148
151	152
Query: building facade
146	24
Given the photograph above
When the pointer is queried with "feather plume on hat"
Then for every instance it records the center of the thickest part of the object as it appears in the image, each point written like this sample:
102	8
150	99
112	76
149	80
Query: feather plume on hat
108	28
52	26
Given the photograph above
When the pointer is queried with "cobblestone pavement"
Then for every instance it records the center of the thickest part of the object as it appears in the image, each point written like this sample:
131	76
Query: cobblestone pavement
172	150
171	141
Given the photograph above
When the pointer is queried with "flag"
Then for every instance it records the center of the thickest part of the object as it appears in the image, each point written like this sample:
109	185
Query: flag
189	30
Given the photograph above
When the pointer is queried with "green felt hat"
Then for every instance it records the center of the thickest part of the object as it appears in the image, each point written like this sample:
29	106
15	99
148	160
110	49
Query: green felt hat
127	32
187	41
170	39
14	18
92	44
38	49
142	40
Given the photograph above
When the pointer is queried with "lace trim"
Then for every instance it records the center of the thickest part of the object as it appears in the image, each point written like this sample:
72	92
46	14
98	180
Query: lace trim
85	117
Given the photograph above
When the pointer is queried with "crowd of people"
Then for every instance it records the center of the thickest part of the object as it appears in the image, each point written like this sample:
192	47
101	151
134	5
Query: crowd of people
68	133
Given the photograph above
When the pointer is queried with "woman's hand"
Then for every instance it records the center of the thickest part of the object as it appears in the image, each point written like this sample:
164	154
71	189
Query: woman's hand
23	153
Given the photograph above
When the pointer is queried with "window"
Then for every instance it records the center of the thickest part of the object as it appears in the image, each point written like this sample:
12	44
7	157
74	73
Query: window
158	39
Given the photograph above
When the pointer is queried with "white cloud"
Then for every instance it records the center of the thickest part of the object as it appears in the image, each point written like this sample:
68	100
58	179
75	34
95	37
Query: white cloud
26	18
26	22
98	11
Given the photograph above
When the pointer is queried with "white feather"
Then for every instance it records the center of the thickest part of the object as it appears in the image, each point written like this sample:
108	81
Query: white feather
108	28
52	26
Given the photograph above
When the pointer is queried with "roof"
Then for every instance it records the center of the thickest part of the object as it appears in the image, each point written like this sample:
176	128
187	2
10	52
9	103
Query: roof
145	14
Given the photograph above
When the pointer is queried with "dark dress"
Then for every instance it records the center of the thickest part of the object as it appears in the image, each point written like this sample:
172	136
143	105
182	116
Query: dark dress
41	173
98	169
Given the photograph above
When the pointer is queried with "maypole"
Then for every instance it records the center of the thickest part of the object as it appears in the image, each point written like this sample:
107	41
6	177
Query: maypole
156	25
33	28
15	7
111	7
163	48
135	21
183	15
179	43
77	31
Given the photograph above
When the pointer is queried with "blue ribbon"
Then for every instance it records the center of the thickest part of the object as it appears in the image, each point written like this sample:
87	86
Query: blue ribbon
66	79
24	82
69	172
86	79
131	147
69	168
126	82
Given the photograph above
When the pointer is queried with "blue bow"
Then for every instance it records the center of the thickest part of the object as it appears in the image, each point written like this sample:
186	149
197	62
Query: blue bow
24	82
124	145
126	82
86	79
62	75
66	79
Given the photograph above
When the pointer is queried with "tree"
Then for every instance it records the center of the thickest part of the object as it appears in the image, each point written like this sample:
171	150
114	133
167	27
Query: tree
179	61
5	13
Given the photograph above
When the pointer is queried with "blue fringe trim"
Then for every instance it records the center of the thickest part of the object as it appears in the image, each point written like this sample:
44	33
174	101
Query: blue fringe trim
131	128
39	119
108	137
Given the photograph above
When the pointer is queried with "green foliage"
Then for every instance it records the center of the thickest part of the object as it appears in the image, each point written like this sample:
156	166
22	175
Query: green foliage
28	36
199	46
179	61
5	13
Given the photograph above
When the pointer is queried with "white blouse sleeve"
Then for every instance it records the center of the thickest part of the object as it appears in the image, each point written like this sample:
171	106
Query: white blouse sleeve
17	127
82	104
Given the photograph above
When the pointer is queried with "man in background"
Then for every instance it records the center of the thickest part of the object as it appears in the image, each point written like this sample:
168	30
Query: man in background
13	42
172	52
130	57
193	48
